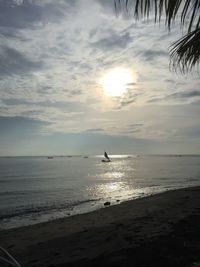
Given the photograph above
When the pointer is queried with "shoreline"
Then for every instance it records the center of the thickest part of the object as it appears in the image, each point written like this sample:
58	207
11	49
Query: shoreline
109	236
84	208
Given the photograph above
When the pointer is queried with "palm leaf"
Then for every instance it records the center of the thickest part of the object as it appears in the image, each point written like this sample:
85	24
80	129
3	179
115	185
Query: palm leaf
189	10
185	53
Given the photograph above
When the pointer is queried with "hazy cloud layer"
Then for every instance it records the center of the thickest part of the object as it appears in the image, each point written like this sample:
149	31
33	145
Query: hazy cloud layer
53	55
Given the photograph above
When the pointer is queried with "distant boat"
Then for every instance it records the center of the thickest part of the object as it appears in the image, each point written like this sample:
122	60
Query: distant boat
50	157
107	159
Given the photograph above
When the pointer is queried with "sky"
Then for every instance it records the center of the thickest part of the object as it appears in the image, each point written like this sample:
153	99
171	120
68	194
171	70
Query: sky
78	78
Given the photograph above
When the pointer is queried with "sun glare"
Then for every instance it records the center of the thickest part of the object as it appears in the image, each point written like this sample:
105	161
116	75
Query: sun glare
115	82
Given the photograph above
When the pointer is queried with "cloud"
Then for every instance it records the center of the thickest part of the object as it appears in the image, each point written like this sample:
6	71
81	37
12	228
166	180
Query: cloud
129	132
132	128
15	62
113	41
126	102
13	101
151	55
75	92
188	94
107	6
128	98
29	13
20	126
64	105
13	14
57	113
136	125
185	97
131	84
94	130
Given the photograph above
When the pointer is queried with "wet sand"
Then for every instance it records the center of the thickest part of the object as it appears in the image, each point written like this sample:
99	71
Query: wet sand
160	230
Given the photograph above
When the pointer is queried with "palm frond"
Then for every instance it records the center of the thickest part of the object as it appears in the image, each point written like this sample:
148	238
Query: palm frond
185	53
189	10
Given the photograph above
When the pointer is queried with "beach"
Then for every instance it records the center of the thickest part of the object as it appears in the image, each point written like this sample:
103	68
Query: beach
159	230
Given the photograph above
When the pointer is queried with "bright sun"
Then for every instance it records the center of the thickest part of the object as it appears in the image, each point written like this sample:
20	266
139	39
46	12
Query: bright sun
115	82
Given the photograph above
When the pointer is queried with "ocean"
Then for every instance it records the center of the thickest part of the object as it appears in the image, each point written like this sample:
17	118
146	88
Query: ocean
39	189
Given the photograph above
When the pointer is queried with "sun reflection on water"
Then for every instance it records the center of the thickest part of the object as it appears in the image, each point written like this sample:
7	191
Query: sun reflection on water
114	182
111	190
114	175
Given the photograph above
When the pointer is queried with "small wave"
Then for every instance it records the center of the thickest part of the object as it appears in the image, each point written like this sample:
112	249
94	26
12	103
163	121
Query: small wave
153	185
192	179
6	181
13	193
28	211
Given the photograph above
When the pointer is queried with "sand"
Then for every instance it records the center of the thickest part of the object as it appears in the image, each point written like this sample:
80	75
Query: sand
160	230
